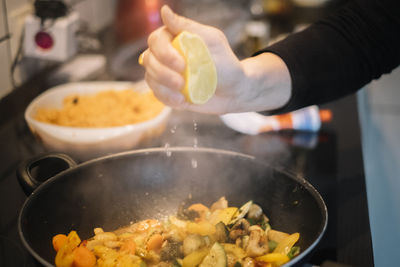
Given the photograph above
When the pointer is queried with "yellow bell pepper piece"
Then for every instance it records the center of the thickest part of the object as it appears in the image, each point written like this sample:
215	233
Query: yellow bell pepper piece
276	258
201	228
276	236
287	243
195	258
223	215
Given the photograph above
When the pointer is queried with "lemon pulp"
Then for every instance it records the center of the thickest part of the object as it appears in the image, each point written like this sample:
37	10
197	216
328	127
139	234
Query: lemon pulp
200	73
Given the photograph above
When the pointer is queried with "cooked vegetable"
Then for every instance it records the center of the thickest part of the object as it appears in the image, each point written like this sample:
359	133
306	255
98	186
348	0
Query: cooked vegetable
198	236
277	258
287	243
265	224
58	241
129	246
176	263
223	215
241	212
276	236
83	257
171	251
238	252
65	257
155	241
272	245
294	251
216	257
201	228
221	233
195	258
192	243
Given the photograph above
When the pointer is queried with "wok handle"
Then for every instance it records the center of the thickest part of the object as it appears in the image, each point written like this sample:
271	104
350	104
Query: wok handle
33	172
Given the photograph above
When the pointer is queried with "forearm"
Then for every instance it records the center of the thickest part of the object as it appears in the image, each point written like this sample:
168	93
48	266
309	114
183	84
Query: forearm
266	81
340	54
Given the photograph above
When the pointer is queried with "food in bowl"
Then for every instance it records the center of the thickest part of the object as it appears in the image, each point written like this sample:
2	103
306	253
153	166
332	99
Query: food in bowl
108	108
83	142
217	236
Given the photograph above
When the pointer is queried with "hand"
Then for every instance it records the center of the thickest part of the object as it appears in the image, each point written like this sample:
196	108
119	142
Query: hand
164	64
242	86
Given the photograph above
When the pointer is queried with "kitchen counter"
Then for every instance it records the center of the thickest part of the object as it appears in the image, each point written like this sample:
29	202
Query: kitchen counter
331	160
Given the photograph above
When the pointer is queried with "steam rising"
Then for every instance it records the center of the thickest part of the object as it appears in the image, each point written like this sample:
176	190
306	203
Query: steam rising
188	129
153	186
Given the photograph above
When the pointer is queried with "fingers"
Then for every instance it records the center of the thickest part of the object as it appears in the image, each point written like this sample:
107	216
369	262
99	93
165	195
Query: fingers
214	38
161	73
165	82
164	94
176	23
159	43
164	66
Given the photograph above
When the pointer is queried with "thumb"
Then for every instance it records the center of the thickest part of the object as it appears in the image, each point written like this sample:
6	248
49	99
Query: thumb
176	23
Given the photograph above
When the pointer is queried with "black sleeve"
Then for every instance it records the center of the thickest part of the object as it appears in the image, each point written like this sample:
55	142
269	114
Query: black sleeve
338	55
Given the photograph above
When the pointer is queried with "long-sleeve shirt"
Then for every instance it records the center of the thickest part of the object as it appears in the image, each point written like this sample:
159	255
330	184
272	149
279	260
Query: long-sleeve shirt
341	53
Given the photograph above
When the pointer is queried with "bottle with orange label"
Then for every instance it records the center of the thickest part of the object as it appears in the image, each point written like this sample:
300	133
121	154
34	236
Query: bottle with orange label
305	119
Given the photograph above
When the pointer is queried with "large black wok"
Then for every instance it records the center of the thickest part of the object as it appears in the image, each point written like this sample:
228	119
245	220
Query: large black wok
113	191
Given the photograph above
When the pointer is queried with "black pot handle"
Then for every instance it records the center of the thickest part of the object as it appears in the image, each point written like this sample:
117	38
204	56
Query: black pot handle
33	172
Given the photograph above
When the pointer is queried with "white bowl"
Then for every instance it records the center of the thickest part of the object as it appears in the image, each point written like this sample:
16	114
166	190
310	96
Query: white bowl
87	143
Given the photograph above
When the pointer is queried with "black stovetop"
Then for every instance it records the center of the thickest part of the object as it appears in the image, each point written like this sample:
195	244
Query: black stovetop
331	160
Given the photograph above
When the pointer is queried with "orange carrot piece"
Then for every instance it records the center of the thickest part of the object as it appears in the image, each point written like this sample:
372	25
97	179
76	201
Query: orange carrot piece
129	246
59	241
155	242
83	257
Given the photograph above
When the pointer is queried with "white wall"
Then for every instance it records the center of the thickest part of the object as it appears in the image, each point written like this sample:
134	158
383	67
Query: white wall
5	81
379	109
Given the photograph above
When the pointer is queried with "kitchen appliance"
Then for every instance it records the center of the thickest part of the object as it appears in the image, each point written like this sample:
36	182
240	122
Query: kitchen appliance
51	32
113	191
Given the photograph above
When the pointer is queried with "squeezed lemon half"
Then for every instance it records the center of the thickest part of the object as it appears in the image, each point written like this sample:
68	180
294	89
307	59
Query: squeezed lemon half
200	73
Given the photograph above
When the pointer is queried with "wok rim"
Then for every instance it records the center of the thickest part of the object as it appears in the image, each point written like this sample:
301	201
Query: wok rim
301	180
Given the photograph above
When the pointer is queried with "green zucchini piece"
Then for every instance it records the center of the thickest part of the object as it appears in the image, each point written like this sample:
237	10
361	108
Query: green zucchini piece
265	226
175	263
237	264
241	213
216	257
221	232
294	251
251	221
272	245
